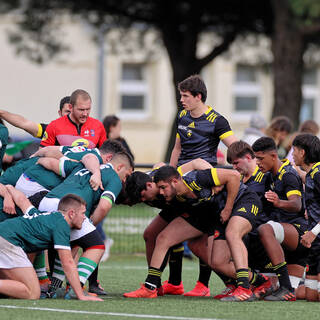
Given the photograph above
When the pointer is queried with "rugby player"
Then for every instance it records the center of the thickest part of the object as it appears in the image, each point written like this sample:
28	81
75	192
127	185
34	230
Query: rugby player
306	154
76	128
286	225
33	232
88	237
199	131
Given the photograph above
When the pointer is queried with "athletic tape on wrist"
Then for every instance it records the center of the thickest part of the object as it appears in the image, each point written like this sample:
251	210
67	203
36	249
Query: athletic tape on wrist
316	229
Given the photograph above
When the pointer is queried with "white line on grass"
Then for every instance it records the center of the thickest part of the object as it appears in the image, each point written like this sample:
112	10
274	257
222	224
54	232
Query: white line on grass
102	266
148	316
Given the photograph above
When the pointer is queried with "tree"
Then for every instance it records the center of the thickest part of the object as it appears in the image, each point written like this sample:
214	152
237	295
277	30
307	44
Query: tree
296	25
180	24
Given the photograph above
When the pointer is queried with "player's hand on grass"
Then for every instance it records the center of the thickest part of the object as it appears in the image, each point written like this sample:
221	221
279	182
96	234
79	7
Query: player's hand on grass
8	205
307	239
95	182
272	197
89	298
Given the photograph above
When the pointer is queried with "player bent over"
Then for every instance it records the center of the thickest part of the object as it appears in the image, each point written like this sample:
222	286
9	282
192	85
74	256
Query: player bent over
33	232
306	154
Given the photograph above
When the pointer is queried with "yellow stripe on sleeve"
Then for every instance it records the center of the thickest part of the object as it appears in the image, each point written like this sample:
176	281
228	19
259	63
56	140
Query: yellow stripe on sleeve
292	192
215	177
40	131
226	135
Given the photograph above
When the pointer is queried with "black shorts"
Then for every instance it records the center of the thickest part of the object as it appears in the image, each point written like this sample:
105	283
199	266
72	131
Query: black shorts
90	240
249	207
314	258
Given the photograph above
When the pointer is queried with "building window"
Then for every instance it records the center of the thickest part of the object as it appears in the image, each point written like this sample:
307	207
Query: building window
310	94
133	90
246	89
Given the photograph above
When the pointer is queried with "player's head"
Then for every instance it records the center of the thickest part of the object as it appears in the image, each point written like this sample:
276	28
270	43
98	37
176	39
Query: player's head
80	101
241	156
109	148
168	180
265	151
306	149
73	208
279	128
140	187
65	106
123	164
112	126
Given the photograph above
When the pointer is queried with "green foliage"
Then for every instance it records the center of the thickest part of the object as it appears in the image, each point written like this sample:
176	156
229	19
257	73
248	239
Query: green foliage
307	11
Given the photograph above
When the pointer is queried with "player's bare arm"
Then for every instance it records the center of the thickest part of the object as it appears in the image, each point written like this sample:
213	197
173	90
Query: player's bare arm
91	162
20	122
19	198
50	151
8	203
175	153
71	273
101	211
293	204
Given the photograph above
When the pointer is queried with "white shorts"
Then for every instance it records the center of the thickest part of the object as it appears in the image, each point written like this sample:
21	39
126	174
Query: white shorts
86	228
49	204
28	187
12	256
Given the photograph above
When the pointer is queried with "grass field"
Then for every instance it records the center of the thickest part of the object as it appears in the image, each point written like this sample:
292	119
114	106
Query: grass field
124	273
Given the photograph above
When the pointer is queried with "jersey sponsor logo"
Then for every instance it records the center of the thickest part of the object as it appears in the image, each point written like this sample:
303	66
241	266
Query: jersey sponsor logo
189	133
86	133
45	136
243	209
191	125
92	133
80	142
78	149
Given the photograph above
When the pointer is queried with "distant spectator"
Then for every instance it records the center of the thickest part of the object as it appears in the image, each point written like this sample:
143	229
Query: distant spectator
112	124
256	129
279	129
308	126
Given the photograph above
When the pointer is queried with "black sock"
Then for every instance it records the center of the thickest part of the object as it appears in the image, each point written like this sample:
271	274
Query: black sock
283	276
204	273
175	264
93	278
226	280
153	279
165	261
243	278
257	279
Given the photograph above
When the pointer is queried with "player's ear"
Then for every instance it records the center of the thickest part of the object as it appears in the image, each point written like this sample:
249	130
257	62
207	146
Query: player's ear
109	157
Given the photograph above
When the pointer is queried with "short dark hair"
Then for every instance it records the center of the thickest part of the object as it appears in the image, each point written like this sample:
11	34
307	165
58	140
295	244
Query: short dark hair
111	146
125	156
239	149
195	85
70	200
264	144
79	93
110	121
165	173
63	101
311	146
136	183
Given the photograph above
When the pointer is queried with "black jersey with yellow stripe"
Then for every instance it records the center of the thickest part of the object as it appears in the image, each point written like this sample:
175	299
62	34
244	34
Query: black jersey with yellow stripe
257	182
312	194
286	183
200	137
201	182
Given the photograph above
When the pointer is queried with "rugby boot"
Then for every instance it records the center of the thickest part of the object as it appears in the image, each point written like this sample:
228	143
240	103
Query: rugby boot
97	289
281	294
264	289
143	292
226	291
240	294
169	288
160	291
200	290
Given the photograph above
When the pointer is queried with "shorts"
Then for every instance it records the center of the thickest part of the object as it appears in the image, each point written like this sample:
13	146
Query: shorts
49	204
249	207
28	187
12	256
89	240
313	259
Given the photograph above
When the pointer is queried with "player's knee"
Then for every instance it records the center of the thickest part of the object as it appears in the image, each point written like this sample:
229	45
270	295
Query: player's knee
264	231
163	240
33	293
